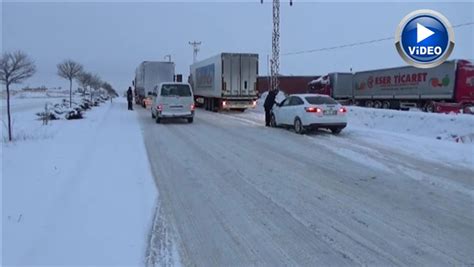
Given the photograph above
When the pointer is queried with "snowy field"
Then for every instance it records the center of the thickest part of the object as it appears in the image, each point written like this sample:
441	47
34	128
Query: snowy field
50	93
76	192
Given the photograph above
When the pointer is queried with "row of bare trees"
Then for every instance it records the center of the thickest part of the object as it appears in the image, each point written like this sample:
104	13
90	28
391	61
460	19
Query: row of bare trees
16	67
71	70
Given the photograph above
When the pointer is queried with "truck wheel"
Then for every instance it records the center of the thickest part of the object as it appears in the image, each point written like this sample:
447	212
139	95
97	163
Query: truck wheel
377	104
386	104
468	109
299	129
429	107
158	120
369	103
190	120
336	130
215	105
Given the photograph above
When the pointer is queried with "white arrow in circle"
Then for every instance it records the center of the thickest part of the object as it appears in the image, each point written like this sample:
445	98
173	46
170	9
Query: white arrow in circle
422	32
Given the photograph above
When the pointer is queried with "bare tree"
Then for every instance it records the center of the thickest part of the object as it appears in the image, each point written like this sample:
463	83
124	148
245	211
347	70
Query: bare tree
110	90
96	83
69	69
84	79
15	67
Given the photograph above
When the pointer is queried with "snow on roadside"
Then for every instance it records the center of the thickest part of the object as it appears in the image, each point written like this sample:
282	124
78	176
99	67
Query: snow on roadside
85	196
422	124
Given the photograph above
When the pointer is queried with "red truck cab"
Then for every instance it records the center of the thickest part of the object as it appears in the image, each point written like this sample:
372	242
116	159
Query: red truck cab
464	90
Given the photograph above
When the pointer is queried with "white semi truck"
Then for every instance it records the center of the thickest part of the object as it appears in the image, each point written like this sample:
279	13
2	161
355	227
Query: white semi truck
227	81
149	74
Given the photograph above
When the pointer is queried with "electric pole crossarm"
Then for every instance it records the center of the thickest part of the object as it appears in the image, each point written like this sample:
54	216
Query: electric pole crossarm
195	46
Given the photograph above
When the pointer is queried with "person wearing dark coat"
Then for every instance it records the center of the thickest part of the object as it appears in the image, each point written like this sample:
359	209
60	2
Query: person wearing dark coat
130	98
268	105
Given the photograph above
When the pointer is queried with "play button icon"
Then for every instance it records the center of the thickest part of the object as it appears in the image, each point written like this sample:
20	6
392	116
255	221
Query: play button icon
422	32
424	38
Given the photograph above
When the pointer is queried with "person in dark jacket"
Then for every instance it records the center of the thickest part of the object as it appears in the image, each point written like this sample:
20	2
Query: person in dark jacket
130	98
268	105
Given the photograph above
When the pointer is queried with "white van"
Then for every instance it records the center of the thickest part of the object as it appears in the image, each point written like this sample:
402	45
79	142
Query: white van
172	100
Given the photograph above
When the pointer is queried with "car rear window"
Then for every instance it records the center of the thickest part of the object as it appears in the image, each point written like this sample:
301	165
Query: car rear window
319	100
175	90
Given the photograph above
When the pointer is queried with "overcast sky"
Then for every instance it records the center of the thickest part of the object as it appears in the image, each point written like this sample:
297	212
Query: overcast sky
112	38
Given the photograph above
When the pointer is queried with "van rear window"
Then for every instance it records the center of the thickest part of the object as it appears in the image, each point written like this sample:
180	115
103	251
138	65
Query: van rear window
175	90
319	100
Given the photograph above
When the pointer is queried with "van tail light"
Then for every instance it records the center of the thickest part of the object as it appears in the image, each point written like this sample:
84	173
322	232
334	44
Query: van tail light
193	107
343	110
313	109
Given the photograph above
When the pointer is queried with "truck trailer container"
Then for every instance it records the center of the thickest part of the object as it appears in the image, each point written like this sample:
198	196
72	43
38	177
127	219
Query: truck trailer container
226	81
149	74
447	87
287	84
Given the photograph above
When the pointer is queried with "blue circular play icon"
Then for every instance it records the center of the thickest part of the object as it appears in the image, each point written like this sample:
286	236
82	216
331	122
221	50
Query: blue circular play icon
424	38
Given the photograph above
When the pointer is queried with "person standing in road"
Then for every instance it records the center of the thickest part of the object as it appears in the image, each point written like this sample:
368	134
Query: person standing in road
268	105
130	98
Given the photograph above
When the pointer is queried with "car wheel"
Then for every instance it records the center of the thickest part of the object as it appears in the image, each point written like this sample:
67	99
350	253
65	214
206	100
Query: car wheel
336	130
298	126
158	120
273	121
190	120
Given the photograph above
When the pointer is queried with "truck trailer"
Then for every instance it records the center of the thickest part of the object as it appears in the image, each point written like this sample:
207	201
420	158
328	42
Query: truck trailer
149	74
287	84
227	81
445	88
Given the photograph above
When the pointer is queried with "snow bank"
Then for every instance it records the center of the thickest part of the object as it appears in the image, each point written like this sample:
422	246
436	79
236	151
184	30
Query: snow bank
451	127
84	196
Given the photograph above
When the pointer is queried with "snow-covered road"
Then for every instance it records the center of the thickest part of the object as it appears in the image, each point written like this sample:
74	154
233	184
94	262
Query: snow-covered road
236	193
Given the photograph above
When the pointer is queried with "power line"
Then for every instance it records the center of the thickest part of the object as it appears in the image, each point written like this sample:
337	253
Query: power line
357	43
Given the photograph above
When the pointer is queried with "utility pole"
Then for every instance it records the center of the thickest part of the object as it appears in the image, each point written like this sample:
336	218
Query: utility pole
195	46
168	57
275	61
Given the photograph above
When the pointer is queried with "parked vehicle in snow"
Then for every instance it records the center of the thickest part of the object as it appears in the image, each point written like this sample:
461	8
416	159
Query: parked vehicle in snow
148	75
172	100
448	87
308	112
226	81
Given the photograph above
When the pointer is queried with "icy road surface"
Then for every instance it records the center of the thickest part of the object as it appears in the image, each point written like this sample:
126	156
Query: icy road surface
237	193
